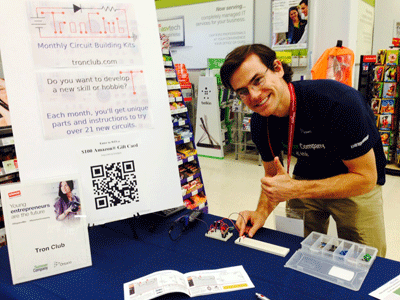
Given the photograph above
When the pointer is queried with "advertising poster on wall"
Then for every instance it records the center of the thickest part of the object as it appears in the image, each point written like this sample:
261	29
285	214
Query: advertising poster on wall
290	19
46	228
200	31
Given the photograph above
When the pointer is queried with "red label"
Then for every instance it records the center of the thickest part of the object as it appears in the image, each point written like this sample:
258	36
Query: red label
14	194
369	58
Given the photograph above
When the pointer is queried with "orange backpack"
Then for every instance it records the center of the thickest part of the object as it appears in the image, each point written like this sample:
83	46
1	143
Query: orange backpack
335	63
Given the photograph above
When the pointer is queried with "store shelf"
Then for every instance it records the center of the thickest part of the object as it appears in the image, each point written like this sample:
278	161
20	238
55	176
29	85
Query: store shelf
7	141
173	87
180	123
187	159
179	111
183	126
194	193
190	178
175	99
184	141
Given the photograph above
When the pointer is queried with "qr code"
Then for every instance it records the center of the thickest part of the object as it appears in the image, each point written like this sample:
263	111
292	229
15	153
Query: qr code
114	184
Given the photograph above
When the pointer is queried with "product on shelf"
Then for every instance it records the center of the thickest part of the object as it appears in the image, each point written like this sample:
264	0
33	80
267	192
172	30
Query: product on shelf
186	150
387	106
392	57
183	132
195	201
381	57
390	74
174	93
172	82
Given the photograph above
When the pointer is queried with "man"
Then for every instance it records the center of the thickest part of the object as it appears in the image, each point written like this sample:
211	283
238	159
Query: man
330	129
304	8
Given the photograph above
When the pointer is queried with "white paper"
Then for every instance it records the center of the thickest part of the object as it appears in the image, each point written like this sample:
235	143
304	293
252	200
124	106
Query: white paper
93	102
118	183
193	284
341	273
388	291
39	245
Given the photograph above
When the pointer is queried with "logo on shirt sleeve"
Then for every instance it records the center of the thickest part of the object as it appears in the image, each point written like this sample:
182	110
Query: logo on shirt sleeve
360	143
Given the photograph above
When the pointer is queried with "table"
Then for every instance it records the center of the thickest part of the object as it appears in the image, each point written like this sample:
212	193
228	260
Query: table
118	258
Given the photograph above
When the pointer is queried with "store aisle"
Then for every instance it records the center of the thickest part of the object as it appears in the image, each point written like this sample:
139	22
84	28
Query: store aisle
234	185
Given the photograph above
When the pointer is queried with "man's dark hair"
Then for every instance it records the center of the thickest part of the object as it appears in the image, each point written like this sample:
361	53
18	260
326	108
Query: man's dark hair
303	1
235	58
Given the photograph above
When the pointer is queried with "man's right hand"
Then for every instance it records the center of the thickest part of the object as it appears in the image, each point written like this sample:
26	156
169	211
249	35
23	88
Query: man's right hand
249	222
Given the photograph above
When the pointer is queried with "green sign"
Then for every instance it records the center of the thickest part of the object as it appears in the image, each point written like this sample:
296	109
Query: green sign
215	63
370	2
171	3
285	56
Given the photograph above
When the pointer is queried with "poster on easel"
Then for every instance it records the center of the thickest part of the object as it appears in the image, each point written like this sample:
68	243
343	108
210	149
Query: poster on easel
46	228
83	79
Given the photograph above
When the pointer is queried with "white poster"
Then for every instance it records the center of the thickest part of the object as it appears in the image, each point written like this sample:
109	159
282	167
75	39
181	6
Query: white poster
67	34
290	19
84	72
206	30
46	228
116	181
77	103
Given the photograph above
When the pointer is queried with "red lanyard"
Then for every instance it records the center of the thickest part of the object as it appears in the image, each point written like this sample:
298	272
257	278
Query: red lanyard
292	119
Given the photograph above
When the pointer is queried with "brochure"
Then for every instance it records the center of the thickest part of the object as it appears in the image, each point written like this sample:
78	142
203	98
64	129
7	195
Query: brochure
388	291
197	283
46	228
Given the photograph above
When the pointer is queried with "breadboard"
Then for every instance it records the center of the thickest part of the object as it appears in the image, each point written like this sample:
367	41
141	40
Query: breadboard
262	246
217	235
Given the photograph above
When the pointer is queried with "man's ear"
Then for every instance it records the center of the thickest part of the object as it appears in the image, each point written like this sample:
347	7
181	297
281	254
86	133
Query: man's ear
277	65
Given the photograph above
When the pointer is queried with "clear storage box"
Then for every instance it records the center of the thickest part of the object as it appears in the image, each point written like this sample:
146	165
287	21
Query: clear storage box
332	259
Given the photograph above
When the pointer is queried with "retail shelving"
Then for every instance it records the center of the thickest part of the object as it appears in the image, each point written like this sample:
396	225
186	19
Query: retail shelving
8	169
379	83
244	145
193	192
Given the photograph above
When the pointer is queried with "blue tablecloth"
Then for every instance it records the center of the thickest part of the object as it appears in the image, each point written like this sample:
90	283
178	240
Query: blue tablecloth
118	258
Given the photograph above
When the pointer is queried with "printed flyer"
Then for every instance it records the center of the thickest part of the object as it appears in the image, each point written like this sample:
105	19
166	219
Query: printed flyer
193	284
46	228
116	180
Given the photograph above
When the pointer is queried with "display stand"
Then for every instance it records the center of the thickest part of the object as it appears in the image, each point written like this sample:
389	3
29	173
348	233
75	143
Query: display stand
209	139
193	192
9	169
213	122
244	146
379	83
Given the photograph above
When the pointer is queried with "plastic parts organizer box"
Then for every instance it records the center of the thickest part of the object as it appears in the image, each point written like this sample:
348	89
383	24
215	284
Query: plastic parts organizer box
332	259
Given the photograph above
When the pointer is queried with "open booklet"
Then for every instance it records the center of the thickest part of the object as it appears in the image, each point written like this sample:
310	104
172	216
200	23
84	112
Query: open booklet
197	283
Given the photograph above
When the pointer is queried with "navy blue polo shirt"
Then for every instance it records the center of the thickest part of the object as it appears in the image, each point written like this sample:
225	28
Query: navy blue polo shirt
333	123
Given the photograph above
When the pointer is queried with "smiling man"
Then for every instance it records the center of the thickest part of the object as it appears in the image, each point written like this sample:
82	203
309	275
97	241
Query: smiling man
331	130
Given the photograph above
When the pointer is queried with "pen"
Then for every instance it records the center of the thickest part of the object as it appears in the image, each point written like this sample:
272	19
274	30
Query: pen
262	297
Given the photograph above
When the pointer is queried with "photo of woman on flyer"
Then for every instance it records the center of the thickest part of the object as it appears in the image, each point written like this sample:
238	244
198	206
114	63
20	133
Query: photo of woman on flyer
67	205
